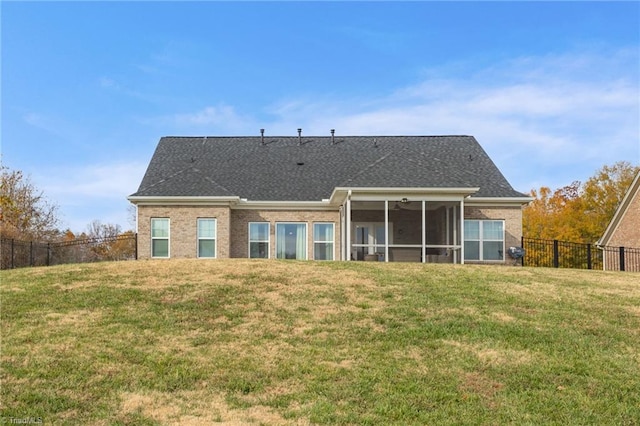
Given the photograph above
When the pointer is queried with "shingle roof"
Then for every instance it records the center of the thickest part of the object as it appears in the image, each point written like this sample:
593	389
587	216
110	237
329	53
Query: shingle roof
283	170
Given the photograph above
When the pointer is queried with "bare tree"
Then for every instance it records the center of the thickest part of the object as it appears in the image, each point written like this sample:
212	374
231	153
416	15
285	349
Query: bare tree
97	229
132	216
24	211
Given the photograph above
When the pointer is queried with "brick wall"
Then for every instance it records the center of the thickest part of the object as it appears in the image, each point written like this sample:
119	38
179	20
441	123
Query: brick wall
240	228
512	217
183	229
627	233
233	227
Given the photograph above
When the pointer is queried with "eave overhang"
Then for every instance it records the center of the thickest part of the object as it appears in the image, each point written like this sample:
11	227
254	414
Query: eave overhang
182	200
340	194
232	202
498	201
284	205
620	211
338	198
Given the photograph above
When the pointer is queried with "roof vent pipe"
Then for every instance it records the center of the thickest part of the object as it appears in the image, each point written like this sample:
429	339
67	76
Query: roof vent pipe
299	136
262	136
333	136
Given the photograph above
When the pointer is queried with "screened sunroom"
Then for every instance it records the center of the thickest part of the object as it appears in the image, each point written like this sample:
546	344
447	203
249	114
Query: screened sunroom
407	226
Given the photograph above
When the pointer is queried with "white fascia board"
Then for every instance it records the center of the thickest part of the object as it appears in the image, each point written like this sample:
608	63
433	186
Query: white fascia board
245	204
497	201
420	193
183	200
620	211
409	197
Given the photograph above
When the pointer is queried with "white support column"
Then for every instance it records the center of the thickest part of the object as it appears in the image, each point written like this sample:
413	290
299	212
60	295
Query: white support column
348	225
455	234
342	257
386	230
424	233
462	232
448	225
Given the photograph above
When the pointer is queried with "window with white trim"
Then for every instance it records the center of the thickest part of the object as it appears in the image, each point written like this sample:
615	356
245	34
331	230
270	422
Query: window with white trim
159	237
207	238
291	240
323	241
258	240
484	240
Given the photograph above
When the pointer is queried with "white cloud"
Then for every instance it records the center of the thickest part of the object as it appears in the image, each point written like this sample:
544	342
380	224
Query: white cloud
52	125
213	120
96	181
109	83
91	192
220	115
544	120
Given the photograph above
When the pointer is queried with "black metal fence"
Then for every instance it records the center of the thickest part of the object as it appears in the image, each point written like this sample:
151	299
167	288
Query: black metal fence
538	252
621	259
18	254
564	254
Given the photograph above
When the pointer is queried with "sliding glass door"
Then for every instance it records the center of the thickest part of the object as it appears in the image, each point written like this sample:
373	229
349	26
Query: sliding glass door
369	239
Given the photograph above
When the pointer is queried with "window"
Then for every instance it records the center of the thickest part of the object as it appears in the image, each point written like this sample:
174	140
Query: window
207	238
291	240
484	240
323	241
258	240
160	237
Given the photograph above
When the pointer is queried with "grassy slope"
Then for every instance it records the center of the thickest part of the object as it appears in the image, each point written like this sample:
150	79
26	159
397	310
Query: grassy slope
309	342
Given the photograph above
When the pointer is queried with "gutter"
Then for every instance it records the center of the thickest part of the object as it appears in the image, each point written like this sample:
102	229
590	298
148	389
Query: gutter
175	200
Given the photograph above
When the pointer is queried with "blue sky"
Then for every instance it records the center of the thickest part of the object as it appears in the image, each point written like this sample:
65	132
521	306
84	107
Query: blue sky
551	90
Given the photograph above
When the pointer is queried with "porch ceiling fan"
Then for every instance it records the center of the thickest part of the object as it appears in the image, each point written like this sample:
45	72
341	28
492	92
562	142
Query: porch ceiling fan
400	205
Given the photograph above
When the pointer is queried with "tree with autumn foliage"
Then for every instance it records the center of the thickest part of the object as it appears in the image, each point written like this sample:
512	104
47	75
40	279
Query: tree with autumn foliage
579	212
25	213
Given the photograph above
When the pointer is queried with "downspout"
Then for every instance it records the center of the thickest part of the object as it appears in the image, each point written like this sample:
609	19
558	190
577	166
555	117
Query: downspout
462	231
424	232
341	232
604	256
348	224
136	206
455	235
386	230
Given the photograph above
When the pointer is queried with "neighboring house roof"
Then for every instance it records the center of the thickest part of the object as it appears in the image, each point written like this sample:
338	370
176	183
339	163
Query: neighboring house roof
632	193
281	169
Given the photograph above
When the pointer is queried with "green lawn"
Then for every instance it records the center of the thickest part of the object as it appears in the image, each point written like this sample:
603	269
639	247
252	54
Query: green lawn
288	342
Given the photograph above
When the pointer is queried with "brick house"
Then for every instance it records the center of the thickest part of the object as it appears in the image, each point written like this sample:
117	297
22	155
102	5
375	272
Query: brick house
383	198
624	230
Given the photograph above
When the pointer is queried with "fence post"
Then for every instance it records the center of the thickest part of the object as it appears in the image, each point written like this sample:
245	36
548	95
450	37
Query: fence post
556	260
12	255
622	258
525	251
30	253
588	256
48	253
